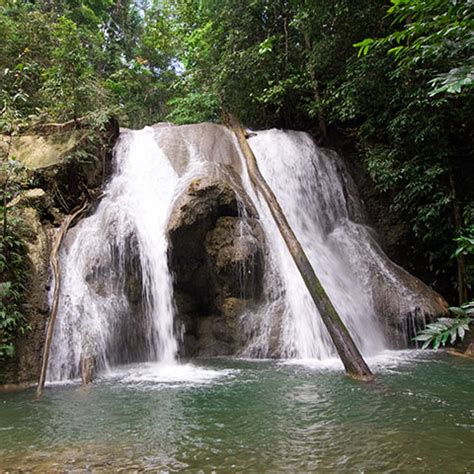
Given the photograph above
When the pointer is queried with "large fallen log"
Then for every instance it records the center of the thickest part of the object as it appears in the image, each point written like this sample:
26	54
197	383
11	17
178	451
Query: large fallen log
350	355
55	302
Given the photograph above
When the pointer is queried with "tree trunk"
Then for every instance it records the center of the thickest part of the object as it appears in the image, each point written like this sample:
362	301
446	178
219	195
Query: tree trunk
352	359
57	286
323	131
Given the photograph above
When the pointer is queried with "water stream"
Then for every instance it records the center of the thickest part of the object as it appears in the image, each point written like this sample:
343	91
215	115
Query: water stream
94	313
309	188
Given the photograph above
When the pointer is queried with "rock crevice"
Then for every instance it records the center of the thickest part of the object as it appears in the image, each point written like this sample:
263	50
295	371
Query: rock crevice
216	256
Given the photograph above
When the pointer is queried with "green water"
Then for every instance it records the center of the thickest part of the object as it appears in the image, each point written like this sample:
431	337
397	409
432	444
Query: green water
234	415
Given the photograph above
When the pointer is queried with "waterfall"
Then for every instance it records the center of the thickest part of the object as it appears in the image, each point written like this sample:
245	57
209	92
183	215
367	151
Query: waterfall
116	301
126	234
310	190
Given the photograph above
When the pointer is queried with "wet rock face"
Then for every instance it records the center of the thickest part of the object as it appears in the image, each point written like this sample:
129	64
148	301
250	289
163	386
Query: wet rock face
216	258
120	275
404	315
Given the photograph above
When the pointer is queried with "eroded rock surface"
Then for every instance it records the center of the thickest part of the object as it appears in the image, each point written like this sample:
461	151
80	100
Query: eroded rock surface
217	260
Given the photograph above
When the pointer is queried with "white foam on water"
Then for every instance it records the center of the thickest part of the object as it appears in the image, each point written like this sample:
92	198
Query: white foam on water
385	360
172	375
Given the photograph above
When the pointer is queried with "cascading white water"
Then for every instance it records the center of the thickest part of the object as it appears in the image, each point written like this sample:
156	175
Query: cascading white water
309	189
116	303
130	219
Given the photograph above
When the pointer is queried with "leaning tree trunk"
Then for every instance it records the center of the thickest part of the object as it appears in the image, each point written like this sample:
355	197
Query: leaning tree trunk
352	359
57	286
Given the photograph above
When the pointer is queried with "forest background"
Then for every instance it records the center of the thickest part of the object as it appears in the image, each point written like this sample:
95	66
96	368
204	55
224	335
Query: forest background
388	84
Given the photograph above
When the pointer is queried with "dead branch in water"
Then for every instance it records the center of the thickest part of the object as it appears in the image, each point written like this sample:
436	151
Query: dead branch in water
57	286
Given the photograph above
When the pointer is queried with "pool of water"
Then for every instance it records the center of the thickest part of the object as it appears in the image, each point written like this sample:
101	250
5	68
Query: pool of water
241	415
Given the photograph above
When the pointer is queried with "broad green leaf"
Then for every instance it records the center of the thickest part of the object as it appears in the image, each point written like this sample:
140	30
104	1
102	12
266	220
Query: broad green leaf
426	344
422	337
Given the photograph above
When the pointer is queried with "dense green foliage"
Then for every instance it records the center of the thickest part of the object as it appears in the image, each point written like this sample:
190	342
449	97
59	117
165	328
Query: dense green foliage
92	58
426	155
401	100
13	251
270	62
13	263
433	34
13	268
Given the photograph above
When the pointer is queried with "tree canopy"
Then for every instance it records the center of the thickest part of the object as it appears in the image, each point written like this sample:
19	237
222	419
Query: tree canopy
393	79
